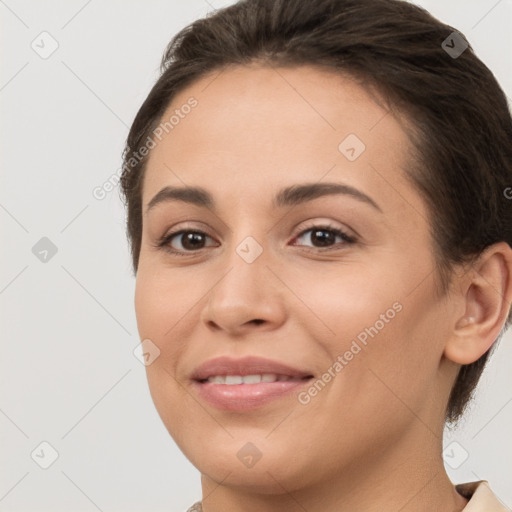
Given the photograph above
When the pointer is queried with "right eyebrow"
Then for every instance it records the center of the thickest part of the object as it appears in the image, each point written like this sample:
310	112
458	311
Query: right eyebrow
193	195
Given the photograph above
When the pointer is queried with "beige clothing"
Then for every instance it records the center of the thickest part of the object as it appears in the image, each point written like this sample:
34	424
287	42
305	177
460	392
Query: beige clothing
480	496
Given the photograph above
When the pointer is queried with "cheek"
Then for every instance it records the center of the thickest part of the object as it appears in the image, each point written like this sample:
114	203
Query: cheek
162	299
163	306
349	303
157	311
401	354
142	301
379	329
157	314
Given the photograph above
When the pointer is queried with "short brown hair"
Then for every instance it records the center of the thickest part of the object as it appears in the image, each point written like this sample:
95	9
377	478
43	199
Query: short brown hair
462	127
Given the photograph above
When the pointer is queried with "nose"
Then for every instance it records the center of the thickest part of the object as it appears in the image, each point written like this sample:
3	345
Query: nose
247	296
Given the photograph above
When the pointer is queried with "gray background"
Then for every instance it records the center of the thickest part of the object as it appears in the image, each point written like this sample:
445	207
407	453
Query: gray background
68	373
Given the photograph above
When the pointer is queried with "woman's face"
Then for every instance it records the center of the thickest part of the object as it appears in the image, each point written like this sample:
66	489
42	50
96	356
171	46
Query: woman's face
272	278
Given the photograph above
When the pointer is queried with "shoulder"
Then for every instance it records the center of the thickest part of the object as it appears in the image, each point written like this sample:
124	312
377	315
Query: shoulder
196	507
481	497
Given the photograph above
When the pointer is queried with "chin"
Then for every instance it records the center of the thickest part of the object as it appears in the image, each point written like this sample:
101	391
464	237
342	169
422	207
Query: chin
266	473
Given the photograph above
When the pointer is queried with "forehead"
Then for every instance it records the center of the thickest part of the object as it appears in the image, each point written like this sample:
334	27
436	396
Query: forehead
253	129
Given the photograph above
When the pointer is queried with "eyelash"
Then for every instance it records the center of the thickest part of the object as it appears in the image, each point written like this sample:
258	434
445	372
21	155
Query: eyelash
164	242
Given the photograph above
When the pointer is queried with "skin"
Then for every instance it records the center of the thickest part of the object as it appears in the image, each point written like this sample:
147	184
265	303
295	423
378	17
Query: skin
371	440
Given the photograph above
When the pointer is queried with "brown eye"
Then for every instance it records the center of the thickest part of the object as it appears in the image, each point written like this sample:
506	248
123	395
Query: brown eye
325	236
191	240
183	241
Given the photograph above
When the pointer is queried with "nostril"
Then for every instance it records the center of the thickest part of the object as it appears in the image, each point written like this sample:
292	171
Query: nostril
258	321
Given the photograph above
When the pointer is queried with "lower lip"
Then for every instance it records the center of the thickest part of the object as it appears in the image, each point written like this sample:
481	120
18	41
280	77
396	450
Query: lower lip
243	397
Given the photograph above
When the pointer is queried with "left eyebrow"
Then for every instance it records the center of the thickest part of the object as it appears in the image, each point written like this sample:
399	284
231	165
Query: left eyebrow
297	194
289	196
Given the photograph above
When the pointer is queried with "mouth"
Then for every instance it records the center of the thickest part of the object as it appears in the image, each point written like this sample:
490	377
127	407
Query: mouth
242	393
233	380
247	383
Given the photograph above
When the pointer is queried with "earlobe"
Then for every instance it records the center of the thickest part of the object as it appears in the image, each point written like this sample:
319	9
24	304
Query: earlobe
486	292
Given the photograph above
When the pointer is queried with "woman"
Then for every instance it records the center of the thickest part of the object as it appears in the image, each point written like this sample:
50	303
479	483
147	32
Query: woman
321	234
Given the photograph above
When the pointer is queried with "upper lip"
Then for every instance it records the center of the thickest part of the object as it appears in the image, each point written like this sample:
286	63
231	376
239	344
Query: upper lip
248	365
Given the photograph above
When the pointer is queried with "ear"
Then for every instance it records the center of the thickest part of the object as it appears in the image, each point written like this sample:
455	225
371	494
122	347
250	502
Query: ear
486	292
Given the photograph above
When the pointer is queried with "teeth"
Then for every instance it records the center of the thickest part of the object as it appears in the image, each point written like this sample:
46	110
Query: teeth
233	379
218	379
248	379
252	379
